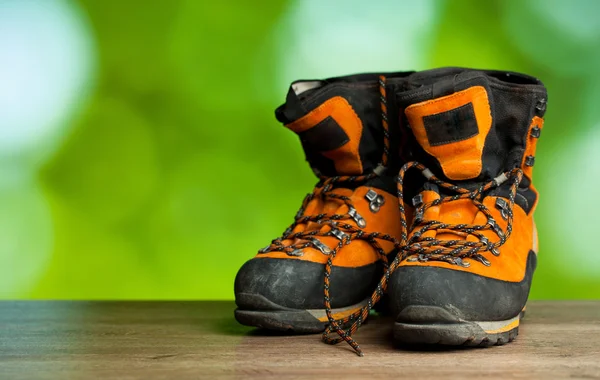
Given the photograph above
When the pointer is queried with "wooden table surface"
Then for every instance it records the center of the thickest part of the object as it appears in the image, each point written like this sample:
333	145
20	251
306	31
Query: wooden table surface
173	340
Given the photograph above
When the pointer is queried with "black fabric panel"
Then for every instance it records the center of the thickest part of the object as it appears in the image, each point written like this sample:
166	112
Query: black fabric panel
326	135
468	296
443	87
386	183
397	139
298	284
512	113
526	199
451	126
367	105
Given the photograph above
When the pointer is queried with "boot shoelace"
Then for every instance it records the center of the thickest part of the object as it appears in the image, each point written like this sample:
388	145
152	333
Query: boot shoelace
337	223
416	247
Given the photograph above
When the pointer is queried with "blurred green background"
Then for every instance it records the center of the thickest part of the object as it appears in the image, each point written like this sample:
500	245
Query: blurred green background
139	155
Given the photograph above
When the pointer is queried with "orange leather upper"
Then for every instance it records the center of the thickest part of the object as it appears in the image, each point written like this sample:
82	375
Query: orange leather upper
459	160
358	252
345	158
511	264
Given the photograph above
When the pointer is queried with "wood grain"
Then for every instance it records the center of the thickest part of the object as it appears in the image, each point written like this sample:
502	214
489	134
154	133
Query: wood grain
168	340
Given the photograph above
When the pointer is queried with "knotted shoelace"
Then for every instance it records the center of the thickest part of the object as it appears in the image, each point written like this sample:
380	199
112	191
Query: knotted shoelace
416	247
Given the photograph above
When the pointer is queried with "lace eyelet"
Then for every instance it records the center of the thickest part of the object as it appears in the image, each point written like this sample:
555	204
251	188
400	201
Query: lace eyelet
458	261
540	107
341	236
417	200
529	161
418	216
375	200
502	205
484	240
482	260
360	221
320	246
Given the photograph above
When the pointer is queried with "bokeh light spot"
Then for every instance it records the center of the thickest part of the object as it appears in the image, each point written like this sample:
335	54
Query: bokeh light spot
46	62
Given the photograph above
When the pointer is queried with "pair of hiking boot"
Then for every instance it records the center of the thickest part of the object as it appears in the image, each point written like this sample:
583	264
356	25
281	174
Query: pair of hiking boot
425	198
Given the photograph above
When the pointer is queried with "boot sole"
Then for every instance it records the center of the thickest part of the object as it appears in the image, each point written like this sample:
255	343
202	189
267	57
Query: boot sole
432	325
270	316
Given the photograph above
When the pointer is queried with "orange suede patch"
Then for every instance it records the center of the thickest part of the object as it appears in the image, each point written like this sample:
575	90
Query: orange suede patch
359	252
459	160
512	262
346	158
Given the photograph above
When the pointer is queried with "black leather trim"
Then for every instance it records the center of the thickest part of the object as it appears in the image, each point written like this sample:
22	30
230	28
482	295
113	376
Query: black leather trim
326	135
465	295
298	284
451	126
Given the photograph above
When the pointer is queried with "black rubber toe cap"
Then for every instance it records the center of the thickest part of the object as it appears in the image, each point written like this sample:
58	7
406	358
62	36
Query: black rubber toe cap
463	295
298	284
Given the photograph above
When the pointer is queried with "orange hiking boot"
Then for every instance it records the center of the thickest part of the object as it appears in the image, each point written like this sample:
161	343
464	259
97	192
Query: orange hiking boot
468	257
325	265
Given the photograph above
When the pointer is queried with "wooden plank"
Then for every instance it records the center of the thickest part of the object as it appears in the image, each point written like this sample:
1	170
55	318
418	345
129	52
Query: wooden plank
130	340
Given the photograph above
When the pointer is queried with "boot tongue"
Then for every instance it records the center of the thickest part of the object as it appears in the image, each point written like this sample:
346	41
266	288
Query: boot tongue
453	130
338	125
